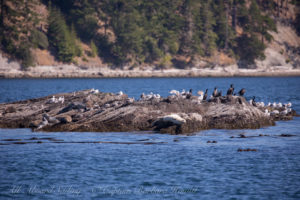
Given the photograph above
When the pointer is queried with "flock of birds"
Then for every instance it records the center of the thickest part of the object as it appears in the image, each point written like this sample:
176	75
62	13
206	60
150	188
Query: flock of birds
203	96
274	108
57	100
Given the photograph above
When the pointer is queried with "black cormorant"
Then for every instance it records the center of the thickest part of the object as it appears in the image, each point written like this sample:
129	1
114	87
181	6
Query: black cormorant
253	101
205	95
230	90
219	93
189	94
242	92
215	93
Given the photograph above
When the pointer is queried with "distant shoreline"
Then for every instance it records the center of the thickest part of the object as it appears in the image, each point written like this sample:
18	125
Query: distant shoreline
75	72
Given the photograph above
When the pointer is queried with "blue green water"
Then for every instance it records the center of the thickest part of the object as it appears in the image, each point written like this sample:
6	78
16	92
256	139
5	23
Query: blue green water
183	167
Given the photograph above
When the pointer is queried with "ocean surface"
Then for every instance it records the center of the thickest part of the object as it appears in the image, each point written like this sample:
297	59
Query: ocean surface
154	166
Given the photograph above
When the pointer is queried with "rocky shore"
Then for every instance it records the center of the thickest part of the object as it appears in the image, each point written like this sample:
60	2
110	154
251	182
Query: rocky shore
72	71
94	111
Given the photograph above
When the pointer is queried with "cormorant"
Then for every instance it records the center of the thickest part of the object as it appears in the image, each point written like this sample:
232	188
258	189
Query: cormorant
205	95
219	93
242	92
253	101
230	90
189	94
215	93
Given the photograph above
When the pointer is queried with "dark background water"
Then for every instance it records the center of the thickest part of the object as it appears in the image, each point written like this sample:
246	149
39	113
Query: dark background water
184	167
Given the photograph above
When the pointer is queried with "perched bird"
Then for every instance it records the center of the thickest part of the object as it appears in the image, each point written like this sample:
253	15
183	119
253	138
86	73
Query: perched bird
189	94
230	90
274	112
205	95
61	99
200	93
260	104
53	100
120	93
279	105
143	96
156	96
242	92
284	112
175	92
215	93
252	101
130	100
93	91
267	112
289	105
219	93
183	92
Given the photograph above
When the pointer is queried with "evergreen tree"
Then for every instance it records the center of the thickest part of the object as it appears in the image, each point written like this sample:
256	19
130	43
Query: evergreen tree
208	36
74	42
249	46
187	33
60	37
94	49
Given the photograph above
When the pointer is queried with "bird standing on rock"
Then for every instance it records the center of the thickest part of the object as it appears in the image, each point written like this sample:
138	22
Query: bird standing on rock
230	90
242	92
215	93
189	94
252	101
219	93
200	93
205	95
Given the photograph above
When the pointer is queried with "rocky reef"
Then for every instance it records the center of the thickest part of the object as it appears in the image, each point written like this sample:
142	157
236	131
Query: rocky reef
94	111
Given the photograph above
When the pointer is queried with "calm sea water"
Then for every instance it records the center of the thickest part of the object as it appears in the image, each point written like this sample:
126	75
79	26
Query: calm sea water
183	167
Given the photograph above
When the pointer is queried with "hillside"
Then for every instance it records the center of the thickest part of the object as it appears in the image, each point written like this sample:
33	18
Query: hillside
143	35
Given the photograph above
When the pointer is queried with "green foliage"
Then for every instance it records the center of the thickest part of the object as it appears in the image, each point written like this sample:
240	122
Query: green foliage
74	42
165	61
208	36
60	37
94	49
250	48
84	59
23	53
39	39
132	31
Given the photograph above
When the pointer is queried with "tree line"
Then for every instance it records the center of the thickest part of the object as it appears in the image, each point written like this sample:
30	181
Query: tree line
137	31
